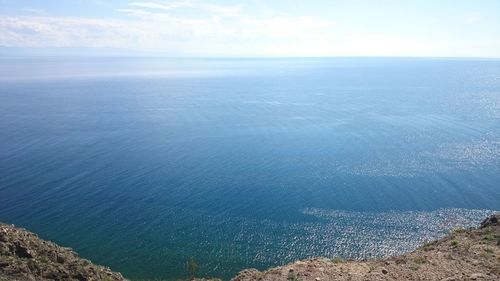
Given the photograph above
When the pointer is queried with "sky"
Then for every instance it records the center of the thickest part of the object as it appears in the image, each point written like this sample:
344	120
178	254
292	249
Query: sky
254	28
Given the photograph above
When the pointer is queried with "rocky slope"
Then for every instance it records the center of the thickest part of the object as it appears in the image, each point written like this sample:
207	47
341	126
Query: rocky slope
472	254
25	257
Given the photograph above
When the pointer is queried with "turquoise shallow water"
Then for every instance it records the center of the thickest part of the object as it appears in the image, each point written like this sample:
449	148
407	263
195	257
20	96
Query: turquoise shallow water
141	163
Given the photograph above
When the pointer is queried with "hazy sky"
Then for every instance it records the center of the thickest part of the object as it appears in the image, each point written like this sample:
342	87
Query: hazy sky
468	28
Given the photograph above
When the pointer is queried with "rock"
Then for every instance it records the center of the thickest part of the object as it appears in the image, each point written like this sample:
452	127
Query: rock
22	252
24	256
246	274
60	258
491	220
3	263
3	236
291	274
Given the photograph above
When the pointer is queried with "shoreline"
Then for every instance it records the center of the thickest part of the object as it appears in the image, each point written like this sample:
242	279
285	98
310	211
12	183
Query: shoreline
465	254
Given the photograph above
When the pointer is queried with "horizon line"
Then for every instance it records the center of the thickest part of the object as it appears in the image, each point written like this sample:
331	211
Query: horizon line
5	56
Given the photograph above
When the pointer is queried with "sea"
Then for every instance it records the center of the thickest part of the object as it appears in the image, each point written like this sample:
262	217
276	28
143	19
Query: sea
142	164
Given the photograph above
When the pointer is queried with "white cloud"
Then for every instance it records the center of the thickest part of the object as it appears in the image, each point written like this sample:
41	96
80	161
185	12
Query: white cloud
215	30
213	9
195	28
227	11
286	27
162	32
162	6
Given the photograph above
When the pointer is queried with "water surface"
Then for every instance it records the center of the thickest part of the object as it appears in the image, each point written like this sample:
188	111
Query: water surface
139	164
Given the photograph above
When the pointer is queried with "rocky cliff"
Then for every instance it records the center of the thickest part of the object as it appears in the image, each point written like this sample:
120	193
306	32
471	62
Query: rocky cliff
472	254
25	257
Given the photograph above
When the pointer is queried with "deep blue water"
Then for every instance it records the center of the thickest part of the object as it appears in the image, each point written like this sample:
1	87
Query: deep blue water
141	163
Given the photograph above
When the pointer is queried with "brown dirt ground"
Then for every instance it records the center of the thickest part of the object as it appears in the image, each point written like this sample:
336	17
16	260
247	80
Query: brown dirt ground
472	254
25	257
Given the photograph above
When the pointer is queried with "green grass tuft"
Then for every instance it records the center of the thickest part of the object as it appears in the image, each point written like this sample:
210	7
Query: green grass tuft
337	260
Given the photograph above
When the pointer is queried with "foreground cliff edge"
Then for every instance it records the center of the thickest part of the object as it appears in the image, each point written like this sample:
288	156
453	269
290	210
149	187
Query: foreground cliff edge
25	257
472	254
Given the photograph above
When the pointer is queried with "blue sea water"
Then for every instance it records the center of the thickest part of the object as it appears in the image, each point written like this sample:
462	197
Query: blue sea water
141	163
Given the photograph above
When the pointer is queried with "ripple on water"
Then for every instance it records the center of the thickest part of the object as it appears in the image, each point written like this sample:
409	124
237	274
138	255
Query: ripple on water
464	156
330	233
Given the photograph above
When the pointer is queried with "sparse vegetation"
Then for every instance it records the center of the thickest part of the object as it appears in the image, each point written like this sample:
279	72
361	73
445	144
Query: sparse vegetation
488	237
420	260
414	267
400	260
467	245
192	268
337	260
259	275
428	247
433	261
24	256
438	260
294	278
